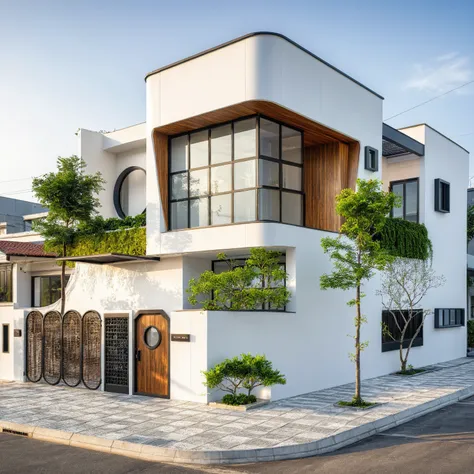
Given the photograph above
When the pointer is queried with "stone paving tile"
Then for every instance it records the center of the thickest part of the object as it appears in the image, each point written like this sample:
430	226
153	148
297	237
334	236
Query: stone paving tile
187	425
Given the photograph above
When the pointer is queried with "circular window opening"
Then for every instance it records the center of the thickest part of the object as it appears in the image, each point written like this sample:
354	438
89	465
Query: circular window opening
152	337
130	192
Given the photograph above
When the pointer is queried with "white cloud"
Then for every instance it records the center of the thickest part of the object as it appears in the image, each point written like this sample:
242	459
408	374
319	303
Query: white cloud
444	73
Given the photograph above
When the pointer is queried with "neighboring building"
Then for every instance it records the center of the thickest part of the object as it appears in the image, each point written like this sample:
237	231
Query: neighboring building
12	212
246	145
470	260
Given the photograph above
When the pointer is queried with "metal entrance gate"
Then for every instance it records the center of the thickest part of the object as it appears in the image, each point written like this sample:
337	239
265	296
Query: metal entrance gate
67	348
116	353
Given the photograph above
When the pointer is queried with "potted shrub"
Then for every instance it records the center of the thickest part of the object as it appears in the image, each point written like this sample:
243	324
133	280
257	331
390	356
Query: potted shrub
246	372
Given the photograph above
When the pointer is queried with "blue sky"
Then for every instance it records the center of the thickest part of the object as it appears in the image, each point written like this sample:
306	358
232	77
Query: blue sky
71	64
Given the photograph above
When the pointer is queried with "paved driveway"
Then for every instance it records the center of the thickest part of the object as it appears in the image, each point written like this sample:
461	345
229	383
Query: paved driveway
441	442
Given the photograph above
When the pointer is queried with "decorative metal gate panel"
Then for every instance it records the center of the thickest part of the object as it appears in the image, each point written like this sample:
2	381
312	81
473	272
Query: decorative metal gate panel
34	346
72	349
52	347
116	354
91	349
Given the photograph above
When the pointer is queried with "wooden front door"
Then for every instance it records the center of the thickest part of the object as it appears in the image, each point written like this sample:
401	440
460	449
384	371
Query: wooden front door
152	343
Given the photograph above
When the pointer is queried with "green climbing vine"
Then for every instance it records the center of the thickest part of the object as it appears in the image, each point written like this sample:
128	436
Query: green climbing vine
405	239
127	241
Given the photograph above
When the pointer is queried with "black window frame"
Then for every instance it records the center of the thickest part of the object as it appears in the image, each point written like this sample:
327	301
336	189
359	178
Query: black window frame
240	262
369	165
118	190
440	321
6	277
442	199
5	338
388	344
49	277
257	158
404	182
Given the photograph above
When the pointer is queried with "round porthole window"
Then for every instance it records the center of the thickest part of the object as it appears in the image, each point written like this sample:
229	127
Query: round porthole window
130	192
152	337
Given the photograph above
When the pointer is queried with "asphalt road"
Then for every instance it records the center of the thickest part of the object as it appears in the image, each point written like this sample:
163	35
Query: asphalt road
441	442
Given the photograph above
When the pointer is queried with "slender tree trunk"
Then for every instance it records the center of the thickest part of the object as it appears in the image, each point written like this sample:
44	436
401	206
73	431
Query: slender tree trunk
403	362
63	282
357	348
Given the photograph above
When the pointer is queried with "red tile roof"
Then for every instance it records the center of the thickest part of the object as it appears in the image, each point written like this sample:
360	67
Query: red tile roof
23	249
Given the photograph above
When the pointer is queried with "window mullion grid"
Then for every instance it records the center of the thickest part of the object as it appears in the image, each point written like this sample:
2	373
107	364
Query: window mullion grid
188	176
280	170
257	167
232	164
404	201
209	178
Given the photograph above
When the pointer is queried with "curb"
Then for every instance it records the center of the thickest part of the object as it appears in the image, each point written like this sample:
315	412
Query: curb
158	454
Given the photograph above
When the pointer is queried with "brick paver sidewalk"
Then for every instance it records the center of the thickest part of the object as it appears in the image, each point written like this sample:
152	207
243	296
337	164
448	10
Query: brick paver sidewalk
187	426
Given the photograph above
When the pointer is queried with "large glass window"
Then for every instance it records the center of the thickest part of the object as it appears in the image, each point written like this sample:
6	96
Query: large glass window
46	289
244	171
6	284
408	191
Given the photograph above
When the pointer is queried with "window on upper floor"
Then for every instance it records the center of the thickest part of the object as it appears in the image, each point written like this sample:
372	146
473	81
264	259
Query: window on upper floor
6	292
408	191
247	170
442	195
46	290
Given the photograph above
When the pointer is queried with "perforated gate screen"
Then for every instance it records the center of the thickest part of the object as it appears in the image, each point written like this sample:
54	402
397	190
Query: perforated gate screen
116	354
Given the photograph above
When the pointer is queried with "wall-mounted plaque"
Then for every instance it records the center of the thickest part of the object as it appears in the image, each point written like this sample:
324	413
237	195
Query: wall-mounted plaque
17	333
181	337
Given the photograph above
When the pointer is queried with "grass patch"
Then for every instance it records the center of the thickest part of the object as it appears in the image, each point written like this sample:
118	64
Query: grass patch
356	404
410	372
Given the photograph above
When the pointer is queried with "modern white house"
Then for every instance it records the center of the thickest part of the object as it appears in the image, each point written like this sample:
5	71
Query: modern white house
244	145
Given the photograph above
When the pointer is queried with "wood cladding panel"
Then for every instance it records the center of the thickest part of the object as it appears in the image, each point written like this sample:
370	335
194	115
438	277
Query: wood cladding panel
160	142
315	133
328	169
152	368
330	164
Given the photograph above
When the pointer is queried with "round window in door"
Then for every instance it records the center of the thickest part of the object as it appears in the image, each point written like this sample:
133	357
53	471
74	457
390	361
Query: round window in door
152	337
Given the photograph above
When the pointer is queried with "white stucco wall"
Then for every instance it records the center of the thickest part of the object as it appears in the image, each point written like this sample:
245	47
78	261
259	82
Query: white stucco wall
110	155
98	160
262	67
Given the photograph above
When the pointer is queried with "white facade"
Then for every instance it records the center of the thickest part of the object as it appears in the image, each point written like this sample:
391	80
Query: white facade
308	342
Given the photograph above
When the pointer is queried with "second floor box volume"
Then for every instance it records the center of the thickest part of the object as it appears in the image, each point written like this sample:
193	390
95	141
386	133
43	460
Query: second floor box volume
246	145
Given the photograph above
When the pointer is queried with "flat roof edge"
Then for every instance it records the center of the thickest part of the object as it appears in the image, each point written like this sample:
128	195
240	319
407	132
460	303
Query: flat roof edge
258	33
438	132
399	138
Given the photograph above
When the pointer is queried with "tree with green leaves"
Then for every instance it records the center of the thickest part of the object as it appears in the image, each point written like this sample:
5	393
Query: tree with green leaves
260	281
355	253
71	198
244	372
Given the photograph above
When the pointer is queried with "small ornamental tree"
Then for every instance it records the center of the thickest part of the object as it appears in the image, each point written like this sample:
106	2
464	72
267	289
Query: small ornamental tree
260	281
245	372
71	198
405	282
355	253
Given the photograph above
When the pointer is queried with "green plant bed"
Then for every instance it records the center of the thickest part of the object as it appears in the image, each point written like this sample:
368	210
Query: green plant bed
239	399
411	372
360	404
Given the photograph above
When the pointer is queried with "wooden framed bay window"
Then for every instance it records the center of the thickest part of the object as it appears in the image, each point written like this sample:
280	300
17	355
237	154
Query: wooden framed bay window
247	170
